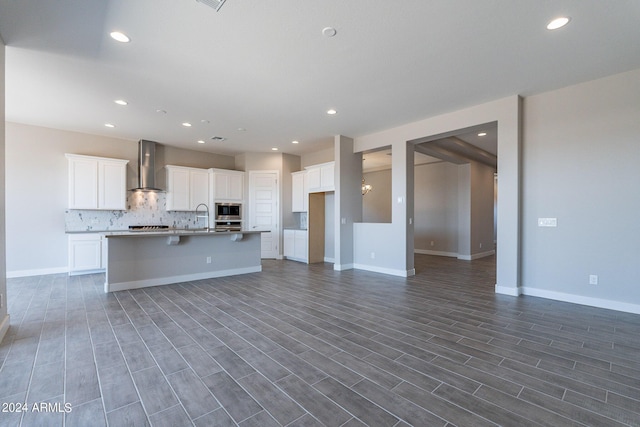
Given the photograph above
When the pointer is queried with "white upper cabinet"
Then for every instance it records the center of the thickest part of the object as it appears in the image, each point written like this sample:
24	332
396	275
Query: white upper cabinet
228	185
299	191
321	177
198	188
97	182
186	188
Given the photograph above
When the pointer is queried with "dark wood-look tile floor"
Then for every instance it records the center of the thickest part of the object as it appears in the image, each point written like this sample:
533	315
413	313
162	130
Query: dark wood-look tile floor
300	345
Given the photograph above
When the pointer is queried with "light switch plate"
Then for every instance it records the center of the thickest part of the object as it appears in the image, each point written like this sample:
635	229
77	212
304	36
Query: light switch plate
547	222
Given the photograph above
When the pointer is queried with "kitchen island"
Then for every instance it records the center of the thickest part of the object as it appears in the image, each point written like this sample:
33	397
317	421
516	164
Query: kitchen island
142	259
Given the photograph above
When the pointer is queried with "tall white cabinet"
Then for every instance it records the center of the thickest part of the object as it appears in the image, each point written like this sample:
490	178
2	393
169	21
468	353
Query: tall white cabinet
97	183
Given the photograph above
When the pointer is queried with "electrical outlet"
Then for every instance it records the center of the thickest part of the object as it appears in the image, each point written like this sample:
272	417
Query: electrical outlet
547	222
433	243
208	260
1	300
593	279
373	255
480	245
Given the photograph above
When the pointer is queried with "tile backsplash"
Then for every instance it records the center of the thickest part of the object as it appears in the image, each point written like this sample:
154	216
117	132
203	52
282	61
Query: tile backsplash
143	208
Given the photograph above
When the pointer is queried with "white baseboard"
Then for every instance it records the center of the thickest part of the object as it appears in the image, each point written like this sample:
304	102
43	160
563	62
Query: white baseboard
342	267
331	260
390	271
455	254
436	253
579	299
136	284
4	327
36	272
477	255
508	290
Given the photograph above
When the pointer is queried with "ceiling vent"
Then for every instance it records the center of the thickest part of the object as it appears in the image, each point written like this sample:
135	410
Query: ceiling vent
218	138
216	4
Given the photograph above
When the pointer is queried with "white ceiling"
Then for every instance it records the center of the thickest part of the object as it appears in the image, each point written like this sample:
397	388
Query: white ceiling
266	67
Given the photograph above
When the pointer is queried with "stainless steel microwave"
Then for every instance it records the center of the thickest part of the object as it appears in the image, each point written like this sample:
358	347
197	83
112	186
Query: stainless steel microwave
228	211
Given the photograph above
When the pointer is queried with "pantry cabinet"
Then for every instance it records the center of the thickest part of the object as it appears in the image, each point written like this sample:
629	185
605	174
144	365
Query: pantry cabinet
97	183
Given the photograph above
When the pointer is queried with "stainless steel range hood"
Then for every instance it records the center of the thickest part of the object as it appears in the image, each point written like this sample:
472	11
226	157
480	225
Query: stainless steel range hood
146	166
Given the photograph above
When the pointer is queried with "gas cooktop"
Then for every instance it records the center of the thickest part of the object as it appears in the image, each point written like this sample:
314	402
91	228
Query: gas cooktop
148	227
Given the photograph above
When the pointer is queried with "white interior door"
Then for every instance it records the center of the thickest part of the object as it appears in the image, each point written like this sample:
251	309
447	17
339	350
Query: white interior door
263	209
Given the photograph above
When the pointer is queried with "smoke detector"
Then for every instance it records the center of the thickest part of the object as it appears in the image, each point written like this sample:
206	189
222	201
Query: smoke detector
216	4
218	138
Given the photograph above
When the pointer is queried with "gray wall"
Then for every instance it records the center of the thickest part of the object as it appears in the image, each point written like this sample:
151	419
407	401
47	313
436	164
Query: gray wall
317	157
37	189
436	208
4	318
454	208
348	200
581	151
376	205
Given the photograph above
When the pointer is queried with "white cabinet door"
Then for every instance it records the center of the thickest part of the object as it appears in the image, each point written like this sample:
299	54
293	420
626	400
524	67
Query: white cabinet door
289	243
327	179
198	188
85	253
236	187
321	177
298	192
228	185
221	190
112	179
97	183
313	179
178	186
300	246
83	182
295	245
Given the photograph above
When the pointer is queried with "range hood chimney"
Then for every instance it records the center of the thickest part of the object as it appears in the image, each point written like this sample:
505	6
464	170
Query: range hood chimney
146	166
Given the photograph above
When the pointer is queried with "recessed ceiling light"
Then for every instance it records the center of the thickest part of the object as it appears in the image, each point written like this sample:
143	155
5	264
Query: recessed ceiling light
329	31
120	37
331	112
186	124
109	125
558	23
205	121
241	129
274	149
161	111
482	134
200	141
295	142
120	102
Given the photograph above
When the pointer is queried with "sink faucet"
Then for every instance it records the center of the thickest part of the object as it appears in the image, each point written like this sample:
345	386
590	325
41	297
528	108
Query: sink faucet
206	218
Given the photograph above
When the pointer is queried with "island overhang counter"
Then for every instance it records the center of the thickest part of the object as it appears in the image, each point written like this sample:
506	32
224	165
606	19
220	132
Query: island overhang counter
142	259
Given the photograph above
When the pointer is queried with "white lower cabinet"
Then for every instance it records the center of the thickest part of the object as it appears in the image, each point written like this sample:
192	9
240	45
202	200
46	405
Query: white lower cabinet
87	253
295	245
